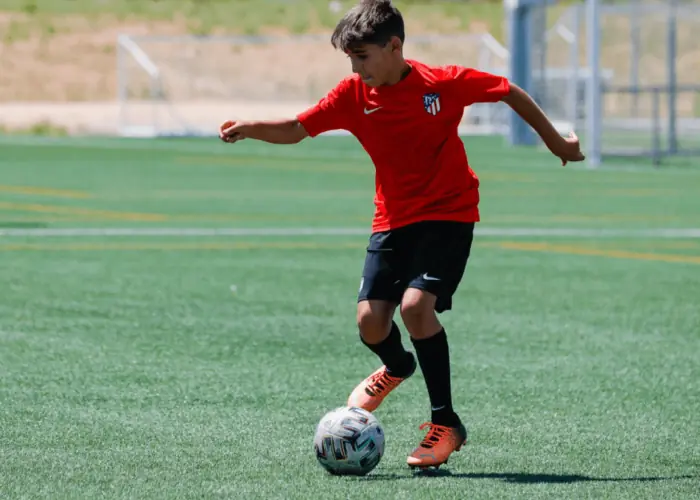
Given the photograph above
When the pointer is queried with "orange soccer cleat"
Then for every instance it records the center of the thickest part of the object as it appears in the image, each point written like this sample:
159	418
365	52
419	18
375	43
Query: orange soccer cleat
437	446
370	393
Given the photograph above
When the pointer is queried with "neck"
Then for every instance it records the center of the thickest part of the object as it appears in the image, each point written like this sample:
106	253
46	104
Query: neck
401	72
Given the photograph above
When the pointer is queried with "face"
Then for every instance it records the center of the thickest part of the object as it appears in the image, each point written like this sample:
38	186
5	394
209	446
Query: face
375	64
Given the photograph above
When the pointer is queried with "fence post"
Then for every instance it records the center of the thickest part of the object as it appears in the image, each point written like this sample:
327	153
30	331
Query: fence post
572	98
656	127
671	55
122	85
593	89
520	64
635	36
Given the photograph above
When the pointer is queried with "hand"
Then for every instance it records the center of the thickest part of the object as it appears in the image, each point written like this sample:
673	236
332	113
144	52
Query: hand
568	149
231	131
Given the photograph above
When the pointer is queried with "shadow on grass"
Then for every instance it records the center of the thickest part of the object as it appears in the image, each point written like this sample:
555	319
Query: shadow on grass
521	478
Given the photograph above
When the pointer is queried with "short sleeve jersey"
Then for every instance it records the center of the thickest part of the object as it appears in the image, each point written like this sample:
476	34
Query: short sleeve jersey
410	132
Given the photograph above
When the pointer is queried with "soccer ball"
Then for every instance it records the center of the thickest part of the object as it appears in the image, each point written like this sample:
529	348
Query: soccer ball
349	441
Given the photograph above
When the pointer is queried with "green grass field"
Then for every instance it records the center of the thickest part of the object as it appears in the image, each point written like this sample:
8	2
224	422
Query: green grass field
130	369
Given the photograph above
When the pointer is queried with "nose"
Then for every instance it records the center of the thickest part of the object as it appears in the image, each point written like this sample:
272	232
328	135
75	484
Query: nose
356	67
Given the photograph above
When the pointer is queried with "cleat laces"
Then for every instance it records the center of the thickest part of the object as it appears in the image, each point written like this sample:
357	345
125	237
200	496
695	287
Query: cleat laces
435	434
382	382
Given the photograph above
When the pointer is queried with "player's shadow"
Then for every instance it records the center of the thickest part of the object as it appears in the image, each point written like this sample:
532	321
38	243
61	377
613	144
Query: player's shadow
522	478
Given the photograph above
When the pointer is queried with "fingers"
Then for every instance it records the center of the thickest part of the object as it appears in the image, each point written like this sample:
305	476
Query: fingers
230	139
235	137
567	159
227	124
228	133
577	155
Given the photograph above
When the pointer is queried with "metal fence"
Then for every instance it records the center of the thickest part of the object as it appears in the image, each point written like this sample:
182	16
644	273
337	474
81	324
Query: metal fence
623	74
634	87
186	85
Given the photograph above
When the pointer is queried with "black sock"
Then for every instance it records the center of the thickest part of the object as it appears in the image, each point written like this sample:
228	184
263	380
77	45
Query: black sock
398	361
434	358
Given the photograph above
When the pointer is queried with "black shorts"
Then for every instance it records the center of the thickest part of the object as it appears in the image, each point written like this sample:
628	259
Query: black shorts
429	255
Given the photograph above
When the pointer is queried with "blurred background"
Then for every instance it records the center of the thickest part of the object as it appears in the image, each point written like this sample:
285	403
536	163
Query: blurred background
621	72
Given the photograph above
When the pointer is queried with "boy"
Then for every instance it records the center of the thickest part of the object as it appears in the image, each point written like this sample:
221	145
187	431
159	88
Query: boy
405	114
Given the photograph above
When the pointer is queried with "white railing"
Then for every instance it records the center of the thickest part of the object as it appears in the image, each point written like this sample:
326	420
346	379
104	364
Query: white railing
186	85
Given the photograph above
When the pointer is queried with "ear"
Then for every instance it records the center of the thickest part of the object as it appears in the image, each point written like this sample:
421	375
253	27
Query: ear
396	44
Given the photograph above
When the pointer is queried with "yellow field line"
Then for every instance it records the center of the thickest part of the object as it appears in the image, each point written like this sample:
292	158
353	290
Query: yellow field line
233	194
264	217
611	217
41	218
510	191
89	212
649	244
580	218
140	246
42	191
303	245
599	252
282	164
94	215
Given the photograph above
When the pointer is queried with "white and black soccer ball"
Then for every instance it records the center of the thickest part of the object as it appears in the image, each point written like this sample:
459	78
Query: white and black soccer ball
349	441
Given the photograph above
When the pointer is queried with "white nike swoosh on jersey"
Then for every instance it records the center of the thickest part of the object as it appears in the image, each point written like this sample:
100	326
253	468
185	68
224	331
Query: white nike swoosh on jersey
430	278
370	111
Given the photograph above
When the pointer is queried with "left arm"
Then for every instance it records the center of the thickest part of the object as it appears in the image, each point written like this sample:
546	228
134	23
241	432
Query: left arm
566	148
475	86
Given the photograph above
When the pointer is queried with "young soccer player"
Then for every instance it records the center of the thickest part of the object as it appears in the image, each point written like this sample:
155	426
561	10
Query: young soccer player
406	114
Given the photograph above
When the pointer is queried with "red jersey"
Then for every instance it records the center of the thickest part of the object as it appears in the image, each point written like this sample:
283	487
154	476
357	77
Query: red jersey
410	132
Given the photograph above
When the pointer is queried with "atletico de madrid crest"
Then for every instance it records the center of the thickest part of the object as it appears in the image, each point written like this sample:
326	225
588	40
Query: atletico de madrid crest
432	103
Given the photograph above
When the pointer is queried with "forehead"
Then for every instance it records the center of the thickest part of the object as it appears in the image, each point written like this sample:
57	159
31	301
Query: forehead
363	49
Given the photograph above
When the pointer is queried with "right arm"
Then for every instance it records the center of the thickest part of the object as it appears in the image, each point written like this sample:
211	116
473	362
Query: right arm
272	131
332	112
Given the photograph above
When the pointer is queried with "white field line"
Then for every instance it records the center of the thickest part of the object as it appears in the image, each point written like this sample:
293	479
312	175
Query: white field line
339	231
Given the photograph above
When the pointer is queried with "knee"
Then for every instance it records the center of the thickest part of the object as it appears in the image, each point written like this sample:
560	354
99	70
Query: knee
366	319
418	313
374	321
414	310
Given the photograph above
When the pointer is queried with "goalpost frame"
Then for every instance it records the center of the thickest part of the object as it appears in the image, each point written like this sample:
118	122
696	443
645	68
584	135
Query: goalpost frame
521	20
593	92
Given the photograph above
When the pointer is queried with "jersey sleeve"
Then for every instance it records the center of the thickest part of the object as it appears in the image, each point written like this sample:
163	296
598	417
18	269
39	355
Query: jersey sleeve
472	86
332	112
